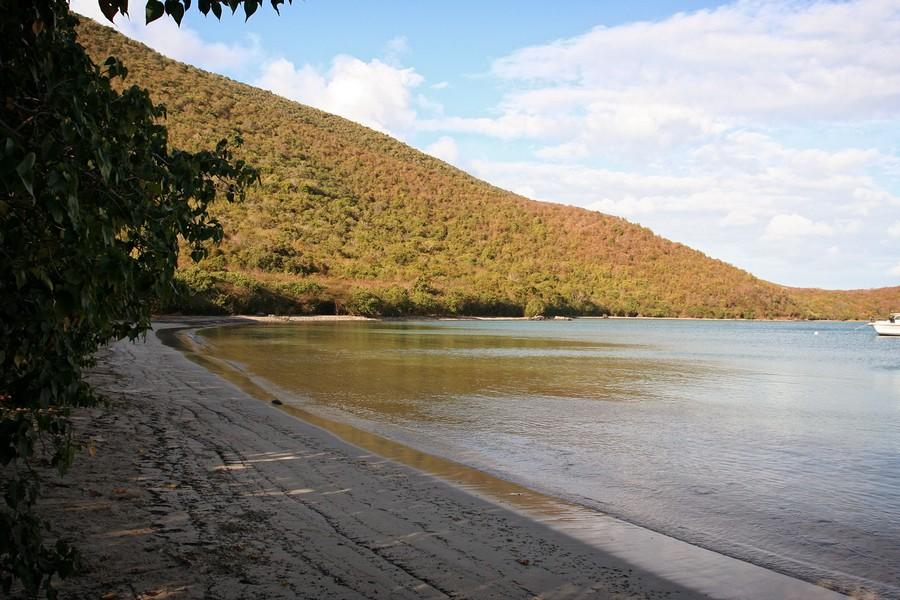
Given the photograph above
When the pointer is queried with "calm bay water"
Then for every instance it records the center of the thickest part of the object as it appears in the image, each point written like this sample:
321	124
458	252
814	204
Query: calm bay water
778	443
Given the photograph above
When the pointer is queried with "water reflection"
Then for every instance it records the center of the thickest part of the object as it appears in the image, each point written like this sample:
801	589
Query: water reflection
760	440
707	573
412	372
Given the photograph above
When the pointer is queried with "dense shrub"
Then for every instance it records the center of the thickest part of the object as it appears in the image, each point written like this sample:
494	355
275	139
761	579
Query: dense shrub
93	202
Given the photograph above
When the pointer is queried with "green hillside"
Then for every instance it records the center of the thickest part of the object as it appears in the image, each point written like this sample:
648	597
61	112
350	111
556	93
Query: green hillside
351	220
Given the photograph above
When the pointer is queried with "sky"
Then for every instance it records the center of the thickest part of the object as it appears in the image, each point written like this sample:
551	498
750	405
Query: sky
762	133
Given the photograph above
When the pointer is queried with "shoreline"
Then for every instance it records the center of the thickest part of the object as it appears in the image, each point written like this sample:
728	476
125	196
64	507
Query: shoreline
226	319
198	489
700	569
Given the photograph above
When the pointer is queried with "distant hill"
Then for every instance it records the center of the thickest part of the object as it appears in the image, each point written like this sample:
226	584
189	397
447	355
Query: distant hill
352	220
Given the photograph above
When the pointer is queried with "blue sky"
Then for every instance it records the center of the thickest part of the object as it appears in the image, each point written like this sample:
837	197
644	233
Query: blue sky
763	133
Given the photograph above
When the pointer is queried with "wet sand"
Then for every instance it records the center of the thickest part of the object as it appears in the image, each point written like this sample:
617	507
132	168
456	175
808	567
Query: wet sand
197	489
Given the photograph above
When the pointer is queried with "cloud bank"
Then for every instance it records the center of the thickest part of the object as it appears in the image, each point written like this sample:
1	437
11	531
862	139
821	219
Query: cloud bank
373	93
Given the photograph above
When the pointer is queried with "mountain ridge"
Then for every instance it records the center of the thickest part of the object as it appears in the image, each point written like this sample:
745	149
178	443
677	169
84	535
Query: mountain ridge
348	219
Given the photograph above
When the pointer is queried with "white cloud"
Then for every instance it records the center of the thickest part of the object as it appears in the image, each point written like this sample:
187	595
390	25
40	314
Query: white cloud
91	8
508	127
440	85
738	218
740	179
186	45
790	59
599	121
444	148
378	93
792	226
563	152
617	192
894	230
895	270
429	105
373	93
610	92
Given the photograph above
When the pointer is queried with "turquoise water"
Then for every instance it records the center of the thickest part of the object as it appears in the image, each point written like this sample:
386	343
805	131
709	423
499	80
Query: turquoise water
778	443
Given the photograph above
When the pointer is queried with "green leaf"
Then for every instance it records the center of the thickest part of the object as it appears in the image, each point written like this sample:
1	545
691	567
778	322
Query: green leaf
216	7
25	171
250	7
155	9
73	208
26	165
42	275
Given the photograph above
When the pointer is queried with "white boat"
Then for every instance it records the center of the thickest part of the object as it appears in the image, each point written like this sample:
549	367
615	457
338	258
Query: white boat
889	327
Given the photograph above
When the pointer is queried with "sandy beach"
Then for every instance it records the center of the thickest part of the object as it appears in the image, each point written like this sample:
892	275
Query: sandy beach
195	489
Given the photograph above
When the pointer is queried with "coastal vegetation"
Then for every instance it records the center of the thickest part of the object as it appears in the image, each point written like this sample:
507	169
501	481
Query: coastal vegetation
94	205
349	220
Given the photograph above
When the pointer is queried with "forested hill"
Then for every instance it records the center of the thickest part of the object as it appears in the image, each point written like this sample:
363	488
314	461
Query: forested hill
349	219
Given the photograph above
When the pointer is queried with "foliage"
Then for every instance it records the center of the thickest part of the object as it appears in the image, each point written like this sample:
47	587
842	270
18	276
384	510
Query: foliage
154	9
365	303
352	209
93	202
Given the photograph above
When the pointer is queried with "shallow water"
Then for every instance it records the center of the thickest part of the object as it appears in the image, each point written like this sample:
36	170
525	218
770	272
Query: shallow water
778	443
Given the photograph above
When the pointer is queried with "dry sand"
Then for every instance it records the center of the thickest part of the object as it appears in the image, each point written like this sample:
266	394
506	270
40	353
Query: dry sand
198	490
